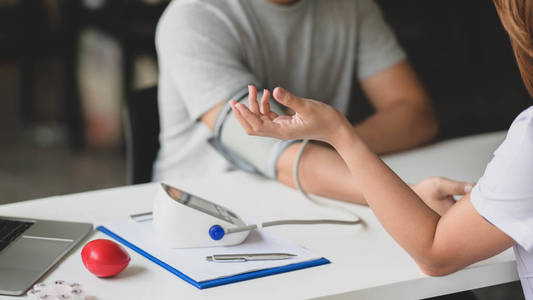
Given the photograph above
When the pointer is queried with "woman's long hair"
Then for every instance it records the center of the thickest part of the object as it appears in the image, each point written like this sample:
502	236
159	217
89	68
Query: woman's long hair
516	17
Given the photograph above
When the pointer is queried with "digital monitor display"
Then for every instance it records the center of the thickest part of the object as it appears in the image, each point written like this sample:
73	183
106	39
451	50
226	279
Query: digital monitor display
200	204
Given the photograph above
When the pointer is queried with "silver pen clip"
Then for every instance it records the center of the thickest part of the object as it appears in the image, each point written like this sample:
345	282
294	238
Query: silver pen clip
248	257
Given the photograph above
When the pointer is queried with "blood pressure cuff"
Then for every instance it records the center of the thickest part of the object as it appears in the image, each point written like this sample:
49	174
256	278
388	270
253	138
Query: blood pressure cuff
250	153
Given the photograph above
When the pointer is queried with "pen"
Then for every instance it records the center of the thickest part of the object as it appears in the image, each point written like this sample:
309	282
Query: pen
248	257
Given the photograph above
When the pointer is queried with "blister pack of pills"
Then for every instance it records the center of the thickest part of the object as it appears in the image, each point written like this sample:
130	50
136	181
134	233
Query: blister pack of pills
57	290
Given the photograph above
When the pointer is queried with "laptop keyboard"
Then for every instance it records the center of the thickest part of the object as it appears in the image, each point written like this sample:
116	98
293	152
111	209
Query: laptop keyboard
10	230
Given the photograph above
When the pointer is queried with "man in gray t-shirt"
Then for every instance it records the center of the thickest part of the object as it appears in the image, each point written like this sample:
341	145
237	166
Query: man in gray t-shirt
211	50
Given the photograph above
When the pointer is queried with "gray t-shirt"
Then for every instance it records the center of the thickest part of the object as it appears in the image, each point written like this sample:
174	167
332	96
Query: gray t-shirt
210	50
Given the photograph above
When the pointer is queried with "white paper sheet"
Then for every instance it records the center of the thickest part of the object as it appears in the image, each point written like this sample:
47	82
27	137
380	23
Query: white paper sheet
192	262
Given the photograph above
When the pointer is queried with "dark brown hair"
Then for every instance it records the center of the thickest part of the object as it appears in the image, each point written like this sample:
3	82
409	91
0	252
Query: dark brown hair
516	17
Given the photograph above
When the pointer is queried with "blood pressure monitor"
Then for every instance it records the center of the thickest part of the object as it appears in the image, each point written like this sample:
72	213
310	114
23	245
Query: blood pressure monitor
183	220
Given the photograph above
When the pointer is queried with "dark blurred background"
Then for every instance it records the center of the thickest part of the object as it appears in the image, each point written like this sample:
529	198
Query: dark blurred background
67	68
463	56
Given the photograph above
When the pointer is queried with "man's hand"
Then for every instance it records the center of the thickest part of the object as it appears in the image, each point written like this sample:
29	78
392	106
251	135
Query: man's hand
438	192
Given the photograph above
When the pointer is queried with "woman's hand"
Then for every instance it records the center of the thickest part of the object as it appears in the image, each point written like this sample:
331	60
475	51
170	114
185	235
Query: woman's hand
438	192
311	119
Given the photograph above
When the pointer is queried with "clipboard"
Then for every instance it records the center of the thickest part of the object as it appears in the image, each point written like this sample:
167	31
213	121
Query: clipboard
203	284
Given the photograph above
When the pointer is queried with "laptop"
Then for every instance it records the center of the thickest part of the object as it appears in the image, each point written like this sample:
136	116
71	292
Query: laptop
30	247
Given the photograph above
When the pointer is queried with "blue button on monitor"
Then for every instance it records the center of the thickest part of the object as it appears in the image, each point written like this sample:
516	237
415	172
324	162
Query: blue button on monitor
216	232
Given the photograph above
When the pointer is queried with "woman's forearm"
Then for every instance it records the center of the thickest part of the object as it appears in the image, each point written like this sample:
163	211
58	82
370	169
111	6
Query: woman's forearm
389	197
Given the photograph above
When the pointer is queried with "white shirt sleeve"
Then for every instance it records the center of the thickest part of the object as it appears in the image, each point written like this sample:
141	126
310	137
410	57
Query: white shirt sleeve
504	194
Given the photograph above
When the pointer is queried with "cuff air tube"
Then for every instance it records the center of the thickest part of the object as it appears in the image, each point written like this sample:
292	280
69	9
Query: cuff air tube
250	153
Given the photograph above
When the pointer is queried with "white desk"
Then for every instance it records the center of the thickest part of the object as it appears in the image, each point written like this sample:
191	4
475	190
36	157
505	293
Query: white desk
366	264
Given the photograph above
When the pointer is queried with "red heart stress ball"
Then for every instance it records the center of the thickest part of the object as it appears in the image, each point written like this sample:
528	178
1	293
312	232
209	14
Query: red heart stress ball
104	258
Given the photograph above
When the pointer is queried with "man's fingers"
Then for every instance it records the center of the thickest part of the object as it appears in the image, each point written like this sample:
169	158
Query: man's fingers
247	127
286	98
452	187
252	99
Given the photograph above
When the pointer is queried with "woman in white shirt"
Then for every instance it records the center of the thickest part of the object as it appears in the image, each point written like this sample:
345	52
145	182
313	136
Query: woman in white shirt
496	215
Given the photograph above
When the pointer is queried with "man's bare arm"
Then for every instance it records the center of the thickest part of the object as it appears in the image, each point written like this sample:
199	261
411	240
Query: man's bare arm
322	172
404	117
210	116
